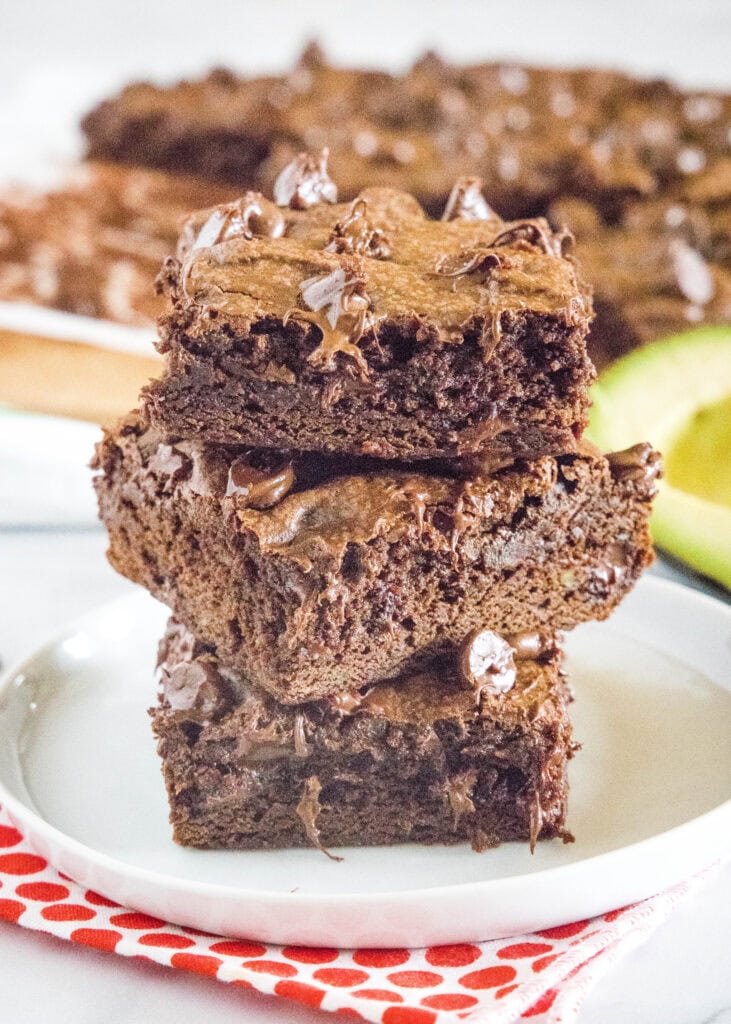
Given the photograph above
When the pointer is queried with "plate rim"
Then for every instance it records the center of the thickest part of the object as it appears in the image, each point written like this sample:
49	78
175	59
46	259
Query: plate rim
20	812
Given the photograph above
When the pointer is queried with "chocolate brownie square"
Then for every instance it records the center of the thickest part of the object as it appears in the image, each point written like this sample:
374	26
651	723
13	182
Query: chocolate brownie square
370	329
311	578
472	749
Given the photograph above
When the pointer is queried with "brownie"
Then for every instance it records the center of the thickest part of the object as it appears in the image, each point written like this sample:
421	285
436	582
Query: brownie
533	134
311	581
369	328
664	267
94	245
474	748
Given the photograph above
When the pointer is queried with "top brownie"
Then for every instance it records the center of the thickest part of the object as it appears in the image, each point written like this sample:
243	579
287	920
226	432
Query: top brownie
368	328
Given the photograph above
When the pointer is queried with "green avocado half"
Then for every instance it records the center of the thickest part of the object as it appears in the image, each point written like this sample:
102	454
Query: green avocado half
676	393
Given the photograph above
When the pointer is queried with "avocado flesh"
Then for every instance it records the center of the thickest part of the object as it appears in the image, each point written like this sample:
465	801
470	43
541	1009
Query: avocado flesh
676	394
699	461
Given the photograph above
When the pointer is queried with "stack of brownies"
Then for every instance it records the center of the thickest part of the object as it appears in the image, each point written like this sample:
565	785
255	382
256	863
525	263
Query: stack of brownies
360	486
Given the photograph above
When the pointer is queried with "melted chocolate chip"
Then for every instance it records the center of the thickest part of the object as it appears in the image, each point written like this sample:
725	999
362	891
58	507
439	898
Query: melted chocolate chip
339	306
534	646
312	56
486	662
171	463
197	690
305	182
534	234
474	260
640	462
260	488
466	202
346	703
246	217
355	234
692	273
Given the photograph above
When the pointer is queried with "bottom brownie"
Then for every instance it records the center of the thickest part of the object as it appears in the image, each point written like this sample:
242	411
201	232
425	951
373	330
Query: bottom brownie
473	749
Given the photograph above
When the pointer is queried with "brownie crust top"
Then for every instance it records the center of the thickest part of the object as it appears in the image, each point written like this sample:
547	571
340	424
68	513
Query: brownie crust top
348	268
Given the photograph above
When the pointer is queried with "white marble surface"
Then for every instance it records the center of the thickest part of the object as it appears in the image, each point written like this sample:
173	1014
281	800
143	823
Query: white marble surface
680	976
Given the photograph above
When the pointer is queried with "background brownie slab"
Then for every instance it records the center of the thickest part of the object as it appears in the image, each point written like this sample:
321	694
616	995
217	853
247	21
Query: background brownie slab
363	577
532	134
429	760
664	267
94	246
370	329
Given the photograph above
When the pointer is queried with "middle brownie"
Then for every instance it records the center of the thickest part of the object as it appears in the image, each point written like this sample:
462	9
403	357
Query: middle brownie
311	580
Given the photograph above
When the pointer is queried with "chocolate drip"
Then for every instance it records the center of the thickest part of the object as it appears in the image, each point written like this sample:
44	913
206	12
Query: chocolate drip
308	811
354	234
466	202
260	488
459	793
536	819
486	662
535	234
340	309
305	182
301	746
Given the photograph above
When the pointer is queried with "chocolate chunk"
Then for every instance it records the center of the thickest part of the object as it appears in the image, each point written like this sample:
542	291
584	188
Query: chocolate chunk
261	488
197	690
466	202
305	182
486	662
308	811
355	234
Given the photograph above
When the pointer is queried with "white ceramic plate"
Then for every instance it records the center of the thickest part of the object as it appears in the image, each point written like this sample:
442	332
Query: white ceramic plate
26	318
649	805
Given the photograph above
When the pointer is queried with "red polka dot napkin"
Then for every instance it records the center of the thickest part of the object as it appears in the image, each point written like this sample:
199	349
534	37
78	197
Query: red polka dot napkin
541	977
